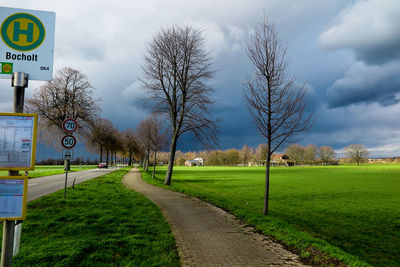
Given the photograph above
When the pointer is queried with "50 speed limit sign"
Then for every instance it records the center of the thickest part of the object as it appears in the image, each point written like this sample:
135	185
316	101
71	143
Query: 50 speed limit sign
70	125
68	141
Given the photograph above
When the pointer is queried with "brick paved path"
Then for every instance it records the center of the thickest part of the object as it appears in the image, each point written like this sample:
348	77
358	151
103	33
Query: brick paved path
207	235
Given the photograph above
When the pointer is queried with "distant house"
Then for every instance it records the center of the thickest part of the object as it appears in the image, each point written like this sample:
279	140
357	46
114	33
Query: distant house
200	161
276	160
194	162
281	160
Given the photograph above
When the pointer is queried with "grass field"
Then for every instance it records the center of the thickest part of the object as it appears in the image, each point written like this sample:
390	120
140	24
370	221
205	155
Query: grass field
101	223
51	170
356	209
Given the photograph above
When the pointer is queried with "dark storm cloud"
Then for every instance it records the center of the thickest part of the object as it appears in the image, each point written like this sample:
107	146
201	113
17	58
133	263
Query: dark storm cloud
366	84
380	53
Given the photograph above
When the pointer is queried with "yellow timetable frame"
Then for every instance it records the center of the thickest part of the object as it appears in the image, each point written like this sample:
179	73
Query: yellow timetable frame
34	139
24	197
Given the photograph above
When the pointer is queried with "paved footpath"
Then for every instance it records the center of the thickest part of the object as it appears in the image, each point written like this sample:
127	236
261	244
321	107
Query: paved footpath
208	236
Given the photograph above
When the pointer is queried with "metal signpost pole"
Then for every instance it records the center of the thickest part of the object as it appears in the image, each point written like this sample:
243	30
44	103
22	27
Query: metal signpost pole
19	81
68	142
66	167
66	177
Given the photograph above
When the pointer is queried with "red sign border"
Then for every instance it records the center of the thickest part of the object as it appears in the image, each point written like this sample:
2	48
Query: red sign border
65	136
65	121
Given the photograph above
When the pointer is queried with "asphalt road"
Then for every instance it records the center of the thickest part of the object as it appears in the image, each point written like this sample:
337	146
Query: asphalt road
41	186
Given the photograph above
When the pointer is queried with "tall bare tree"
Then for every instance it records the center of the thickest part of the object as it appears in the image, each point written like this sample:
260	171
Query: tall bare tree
68	95
358	153
176	68
275	101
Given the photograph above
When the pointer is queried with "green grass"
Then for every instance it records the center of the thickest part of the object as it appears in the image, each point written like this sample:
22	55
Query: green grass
100	223
354	209
45	170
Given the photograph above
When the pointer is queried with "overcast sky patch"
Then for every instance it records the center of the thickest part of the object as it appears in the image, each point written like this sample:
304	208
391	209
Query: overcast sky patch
347	53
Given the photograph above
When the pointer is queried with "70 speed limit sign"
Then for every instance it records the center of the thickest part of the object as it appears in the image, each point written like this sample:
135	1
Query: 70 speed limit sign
68	141
70	125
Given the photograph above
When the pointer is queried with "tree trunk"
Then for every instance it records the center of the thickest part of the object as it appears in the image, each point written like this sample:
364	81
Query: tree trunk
130	159
172	151
154	165
147	160
112	158
107	157
101	153
266	195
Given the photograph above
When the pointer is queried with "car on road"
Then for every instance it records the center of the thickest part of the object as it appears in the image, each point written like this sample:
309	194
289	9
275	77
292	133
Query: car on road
103	165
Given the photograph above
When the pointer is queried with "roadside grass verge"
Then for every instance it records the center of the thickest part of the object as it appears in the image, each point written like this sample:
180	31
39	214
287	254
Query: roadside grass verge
45	170
100	223
348	213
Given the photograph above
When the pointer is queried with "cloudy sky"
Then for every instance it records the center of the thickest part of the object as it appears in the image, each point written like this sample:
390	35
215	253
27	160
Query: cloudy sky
348	53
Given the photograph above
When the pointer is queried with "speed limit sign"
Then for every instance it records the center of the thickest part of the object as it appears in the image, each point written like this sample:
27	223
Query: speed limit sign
68	141
70	125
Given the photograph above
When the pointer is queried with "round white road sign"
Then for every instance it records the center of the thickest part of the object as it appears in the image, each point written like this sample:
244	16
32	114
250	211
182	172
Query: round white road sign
68	141
70	125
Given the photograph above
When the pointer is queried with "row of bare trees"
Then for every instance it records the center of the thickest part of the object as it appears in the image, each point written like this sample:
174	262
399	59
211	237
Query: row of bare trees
70	95
248	156
176	72
311	154
177	68
148	138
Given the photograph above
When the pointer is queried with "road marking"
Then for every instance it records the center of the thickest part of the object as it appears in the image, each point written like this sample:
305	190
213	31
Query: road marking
32	184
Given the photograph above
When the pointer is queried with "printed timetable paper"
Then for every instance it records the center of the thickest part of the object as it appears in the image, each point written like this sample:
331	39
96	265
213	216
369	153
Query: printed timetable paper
17	141
13	197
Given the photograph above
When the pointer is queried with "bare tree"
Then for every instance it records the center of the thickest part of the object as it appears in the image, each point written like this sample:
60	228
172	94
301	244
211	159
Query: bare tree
245	154
68	95
275	101
358	153
130	143
296	153
113	144
100	136
176	68
144	132
158	138
153	137
327	154
261	154
232	157
310	154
